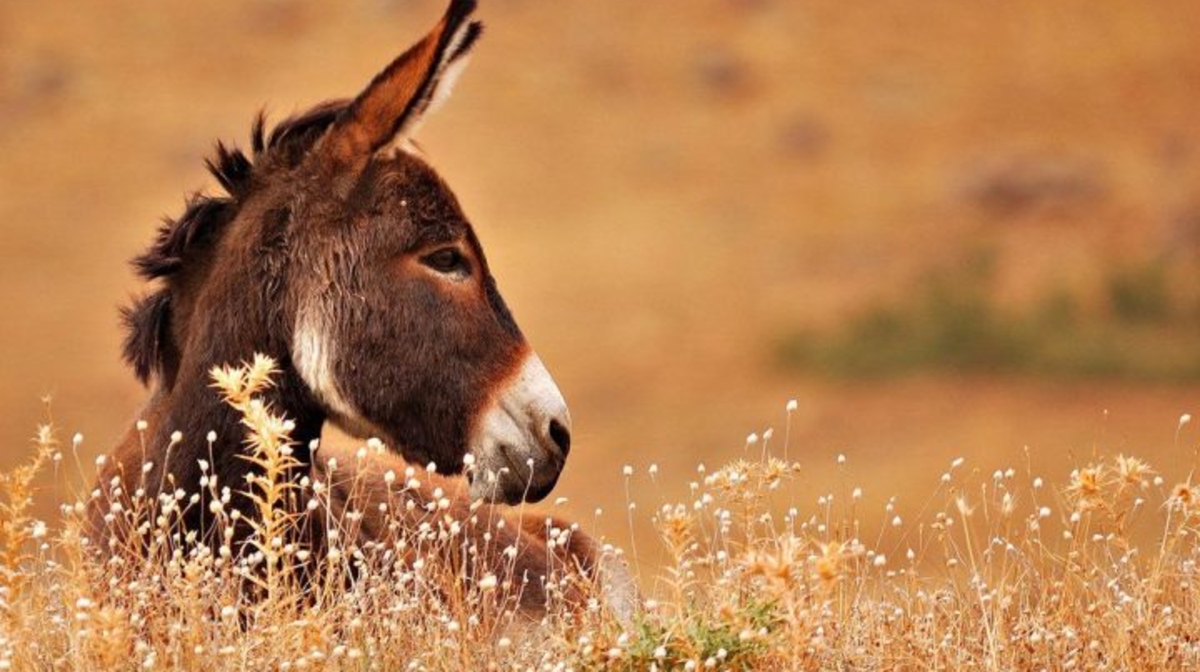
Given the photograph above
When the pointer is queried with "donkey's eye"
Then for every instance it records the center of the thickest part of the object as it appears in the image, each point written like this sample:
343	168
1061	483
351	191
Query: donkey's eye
446	260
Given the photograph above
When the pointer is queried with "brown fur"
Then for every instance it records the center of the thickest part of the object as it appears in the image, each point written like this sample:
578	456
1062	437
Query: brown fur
573	561
317	225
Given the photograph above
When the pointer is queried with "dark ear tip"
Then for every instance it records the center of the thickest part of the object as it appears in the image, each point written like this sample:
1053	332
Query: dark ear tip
463	7
459	10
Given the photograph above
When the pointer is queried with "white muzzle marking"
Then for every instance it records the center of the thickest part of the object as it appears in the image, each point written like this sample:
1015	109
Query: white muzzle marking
513	439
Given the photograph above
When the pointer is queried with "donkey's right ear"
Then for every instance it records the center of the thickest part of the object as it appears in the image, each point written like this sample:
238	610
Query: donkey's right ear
392	105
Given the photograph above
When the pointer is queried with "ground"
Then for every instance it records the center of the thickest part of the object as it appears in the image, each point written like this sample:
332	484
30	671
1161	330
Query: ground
663	189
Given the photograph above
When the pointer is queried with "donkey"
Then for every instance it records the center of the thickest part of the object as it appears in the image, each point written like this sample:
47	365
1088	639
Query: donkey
338	251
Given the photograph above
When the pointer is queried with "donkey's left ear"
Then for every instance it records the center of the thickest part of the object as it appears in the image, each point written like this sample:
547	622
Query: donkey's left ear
416	83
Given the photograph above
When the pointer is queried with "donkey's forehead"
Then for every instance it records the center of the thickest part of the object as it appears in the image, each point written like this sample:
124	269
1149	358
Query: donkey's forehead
401	174
406	188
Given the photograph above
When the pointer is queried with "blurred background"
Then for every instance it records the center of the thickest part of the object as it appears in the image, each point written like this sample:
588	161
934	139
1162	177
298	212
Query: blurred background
945	229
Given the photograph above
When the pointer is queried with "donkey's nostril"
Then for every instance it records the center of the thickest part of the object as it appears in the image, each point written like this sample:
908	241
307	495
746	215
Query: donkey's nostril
561	436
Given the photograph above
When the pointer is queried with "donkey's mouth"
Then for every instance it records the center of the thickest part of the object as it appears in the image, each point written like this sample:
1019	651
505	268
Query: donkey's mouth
506	451
502	477
533	489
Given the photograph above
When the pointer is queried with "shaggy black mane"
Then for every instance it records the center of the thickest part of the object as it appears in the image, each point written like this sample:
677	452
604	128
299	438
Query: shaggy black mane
148	346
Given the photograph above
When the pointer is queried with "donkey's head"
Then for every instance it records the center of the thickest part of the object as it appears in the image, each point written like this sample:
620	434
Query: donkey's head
341	251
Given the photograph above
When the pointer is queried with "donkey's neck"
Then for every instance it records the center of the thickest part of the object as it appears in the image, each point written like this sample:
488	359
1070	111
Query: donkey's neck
210	430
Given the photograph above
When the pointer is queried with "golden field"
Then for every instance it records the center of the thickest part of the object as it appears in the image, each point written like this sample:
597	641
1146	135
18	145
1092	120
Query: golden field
1000	573
666	191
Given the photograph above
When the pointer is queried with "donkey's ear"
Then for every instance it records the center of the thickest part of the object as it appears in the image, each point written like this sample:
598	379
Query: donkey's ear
392	105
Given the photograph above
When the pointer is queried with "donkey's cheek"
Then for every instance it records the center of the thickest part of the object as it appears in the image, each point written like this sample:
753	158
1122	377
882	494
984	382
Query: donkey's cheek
315	355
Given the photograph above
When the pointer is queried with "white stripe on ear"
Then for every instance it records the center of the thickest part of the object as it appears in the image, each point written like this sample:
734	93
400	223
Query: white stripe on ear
445	84
453	62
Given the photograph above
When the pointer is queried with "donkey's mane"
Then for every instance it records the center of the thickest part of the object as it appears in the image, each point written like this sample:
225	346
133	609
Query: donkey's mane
149	346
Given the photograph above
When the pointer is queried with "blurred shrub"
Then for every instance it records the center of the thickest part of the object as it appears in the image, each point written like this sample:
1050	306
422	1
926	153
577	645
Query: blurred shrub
952	321
1139	293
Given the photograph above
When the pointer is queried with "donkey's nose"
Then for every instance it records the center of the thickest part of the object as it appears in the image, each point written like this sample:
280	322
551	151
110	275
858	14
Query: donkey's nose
561	435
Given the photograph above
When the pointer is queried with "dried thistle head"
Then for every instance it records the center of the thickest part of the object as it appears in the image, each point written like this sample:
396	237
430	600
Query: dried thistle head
746	482
238	384
675	525
774	471
1183	498
729	478
830	563
1133	471
780	563
1086	489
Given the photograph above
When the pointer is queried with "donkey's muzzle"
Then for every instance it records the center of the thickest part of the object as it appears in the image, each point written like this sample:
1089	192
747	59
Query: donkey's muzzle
522	439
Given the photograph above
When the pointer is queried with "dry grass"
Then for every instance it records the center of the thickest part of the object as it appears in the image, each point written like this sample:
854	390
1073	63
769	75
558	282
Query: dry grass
996	571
